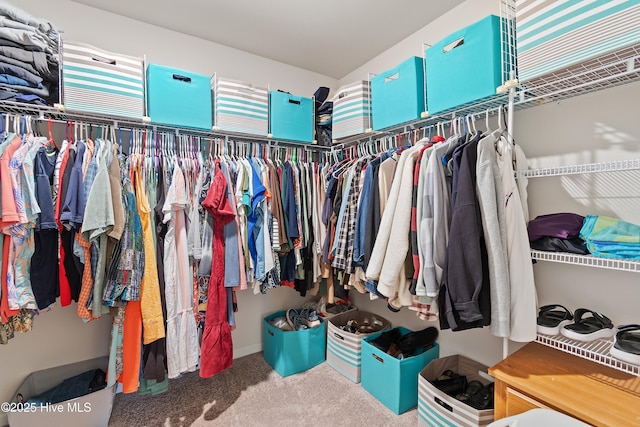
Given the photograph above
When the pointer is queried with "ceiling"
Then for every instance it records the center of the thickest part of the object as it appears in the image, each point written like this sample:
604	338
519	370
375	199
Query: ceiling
330	37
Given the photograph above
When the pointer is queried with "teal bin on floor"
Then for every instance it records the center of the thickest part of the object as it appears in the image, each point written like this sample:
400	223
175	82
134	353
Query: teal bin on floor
291	117
392	381
179	98
465	66
397	95
291	352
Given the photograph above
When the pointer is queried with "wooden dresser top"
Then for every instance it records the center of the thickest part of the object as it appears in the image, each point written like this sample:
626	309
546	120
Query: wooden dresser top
595	393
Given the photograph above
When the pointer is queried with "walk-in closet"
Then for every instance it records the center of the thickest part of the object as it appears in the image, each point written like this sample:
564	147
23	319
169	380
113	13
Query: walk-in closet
368	213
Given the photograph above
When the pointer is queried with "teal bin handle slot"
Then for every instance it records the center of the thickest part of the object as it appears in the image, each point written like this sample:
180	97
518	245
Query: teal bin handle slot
454	44
270	332
392	77
378	358
294	101
182	78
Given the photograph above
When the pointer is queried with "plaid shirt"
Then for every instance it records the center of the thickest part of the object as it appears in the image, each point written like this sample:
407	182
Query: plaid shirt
346	235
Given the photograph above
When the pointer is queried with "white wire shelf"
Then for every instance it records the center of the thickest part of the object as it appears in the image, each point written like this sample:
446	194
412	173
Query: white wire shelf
587	260
613	166
613	69
488	106
596	351
61	115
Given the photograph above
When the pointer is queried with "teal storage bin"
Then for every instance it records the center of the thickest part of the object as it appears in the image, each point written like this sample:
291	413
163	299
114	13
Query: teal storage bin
179	98
465	66
290	117
290	352
397	95
393	382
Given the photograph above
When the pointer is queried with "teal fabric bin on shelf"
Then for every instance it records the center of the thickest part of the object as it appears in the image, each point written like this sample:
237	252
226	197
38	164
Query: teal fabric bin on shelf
290	117
555	36
179	98
291	352
397	95
392	381
465	66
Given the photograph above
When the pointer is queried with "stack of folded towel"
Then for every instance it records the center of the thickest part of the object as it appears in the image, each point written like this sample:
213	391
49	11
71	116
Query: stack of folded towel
611	238
29	61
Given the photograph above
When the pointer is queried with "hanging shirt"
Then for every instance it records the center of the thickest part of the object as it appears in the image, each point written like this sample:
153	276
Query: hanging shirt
98	221
44	262
231	262
523	290
22	246
9	209
489	191
182	334
150	304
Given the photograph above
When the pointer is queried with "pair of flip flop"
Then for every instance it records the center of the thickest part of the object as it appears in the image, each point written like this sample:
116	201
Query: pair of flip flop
583	325
587	325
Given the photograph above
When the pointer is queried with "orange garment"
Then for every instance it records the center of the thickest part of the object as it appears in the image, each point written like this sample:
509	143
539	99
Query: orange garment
131	347
87	280
151	304
5	312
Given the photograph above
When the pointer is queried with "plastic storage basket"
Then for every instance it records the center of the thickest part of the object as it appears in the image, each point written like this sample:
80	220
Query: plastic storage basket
98	81
240	106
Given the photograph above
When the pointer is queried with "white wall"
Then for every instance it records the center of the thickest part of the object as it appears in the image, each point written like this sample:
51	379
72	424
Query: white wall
462	15
124	35
60	337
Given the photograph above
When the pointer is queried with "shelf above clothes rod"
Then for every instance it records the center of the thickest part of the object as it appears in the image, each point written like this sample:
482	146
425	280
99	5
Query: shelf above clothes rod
126	123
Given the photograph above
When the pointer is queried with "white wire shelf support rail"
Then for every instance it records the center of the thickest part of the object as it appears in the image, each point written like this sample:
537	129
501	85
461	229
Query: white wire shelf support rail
586	168
595	351
631	266
610	70
61	116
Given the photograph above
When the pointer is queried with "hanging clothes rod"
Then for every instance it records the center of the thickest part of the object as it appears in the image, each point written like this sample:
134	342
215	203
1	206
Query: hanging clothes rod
44	113
479	110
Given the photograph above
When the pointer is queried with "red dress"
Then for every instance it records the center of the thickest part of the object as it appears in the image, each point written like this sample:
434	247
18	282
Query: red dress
216	353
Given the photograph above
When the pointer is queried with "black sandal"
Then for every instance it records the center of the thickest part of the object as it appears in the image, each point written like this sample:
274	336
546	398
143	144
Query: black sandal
588	328
551	320
626	346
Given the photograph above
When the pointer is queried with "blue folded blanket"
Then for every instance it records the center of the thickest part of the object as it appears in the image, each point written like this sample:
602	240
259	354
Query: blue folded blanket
611	237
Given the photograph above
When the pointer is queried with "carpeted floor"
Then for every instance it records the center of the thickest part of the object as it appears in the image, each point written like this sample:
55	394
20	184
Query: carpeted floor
251	393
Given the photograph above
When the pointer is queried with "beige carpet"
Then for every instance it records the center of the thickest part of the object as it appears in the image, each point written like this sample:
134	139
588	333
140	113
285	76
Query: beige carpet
251	393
